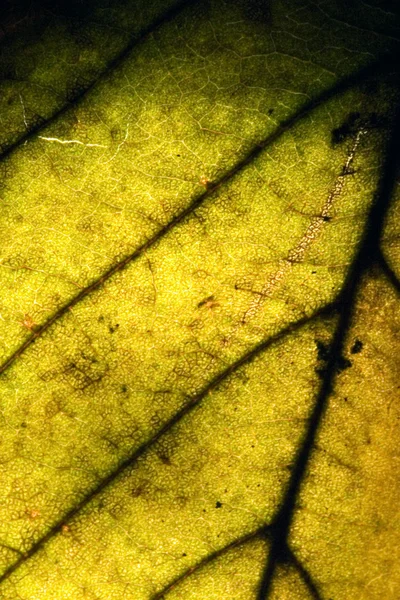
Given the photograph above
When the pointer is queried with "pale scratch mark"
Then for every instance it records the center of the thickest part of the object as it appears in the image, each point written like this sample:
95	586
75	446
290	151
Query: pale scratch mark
53	139
23	111
297	253
374	579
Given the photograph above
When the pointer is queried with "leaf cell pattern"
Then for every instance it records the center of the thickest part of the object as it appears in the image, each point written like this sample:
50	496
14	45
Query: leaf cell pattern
199	301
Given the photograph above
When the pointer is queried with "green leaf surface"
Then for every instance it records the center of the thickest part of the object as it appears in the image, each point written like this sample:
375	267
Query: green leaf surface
199	301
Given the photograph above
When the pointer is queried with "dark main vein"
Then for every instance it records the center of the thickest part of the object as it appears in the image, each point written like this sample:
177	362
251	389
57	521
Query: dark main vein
156	24
130	460
364	259
383	64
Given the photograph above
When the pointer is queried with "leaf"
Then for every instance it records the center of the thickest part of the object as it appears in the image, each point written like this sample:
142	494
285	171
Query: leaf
199	302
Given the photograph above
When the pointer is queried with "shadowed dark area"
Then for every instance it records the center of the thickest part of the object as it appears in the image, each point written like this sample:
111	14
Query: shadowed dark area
24	16
258	11
38	14
359	14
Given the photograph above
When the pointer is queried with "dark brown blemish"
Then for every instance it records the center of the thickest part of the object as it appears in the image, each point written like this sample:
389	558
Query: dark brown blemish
357	347
346	129
343	364
323	351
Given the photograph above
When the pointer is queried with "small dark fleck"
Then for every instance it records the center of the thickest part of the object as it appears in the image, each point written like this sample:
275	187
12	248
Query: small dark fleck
218	504
205	301
137	492
164	458
23	425
124	388
179	155
343	364
271	110
339	134
345	399
326	219
184	554
100	319
313	272
357	347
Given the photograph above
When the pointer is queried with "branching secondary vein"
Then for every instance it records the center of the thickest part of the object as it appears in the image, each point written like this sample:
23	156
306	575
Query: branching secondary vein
340	87
131	459
261	533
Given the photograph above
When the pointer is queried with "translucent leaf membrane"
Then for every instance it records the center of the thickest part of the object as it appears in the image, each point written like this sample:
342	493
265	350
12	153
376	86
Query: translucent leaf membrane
175	251
178	113
118	365
216	474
